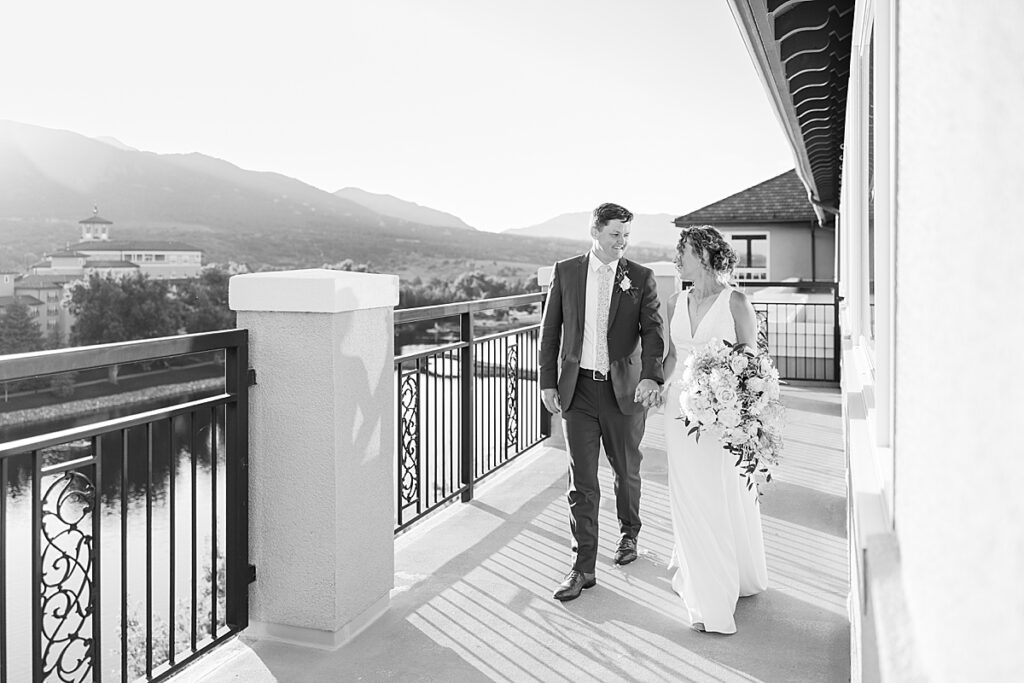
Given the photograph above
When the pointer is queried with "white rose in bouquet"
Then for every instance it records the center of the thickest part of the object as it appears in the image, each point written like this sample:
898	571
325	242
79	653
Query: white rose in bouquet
729	418
755	384
738	363
739	437
765	365
726	396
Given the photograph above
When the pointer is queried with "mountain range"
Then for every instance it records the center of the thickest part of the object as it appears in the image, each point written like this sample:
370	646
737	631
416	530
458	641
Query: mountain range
647	229
50	179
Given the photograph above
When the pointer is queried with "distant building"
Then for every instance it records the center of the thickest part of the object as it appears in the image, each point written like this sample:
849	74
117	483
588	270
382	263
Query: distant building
774	231
48	282
97	253
47	295
36	307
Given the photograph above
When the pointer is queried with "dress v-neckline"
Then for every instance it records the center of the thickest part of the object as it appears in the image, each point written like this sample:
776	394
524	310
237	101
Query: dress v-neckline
694	330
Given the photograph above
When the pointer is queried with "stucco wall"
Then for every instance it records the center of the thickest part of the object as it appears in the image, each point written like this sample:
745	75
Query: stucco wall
790	245
959	510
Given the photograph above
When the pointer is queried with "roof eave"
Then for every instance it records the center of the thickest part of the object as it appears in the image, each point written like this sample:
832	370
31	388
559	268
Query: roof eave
757	30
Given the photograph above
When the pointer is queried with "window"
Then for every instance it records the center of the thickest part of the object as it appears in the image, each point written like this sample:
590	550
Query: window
752	255
159	257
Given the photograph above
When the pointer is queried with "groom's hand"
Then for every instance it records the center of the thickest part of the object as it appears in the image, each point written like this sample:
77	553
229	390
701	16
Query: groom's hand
648	393
551	400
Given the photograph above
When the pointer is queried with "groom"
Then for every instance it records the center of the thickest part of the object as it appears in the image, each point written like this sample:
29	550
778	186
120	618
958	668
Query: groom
600	367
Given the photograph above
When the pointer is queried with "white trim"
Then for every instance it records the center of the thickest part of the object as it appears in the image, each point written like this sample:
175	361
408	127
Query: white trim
752	274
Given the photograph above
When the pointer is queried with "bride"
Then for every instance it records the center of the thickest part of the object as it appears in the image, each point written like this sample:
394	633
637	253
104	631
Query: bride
716	523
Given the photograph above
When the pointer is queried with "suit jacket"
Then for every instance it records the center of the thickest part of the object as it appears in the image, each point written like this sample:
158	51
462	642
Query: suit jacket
635	344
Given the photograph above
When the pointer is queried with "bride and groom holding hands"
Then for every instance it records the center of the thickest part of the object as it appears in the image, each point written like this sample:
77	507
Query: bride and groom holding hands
603	365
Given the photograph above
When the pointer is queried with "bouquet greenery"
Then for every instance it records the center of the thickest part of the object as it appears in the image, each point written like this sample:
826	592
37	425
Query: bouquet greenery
734	394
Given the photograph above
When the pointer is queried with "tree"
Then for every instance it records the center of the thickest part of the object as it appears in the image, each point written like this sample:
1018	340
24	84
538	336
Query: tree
19	331
115	310
206	301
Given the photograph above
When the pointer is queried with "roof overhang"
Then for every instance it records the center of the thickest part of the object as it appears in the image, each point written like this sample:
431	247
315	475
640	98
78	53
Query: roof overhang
801	51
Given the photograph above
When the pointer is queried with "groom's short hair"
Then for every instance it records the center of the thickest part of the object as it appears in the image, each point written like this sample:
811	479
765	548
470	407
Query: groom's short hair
609	212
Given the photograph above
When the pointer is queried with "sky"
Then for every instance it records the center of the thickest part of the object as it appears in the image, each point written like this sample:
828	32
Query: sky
503	113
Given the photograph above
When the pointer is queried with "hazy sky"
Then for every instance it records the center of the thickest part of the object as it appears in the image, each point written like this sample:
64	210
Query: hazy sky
503	113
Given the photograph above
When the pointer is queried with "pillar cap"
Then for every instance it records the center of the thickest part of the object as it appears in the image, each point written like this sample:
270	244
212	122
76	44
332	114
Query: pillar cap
315	290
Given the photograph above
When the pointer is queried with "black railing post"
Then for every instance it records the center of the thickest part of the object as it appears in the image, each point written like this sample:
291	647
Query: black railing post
836	333
236	426
545	416
467	454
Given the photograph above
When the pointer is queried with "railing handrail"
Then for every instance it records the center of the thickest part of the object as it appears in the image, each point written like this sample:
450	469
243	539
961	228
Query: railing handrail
411	315
824	285
92	429
35	363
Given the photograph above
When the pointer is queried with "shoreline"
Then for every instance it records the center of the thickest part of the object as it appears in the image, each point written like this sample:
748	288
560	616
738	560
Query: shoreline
85	406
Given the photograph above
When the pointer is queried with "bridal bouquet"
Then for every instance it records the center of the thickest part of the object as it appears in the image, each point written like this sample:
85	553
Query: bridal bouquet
735	395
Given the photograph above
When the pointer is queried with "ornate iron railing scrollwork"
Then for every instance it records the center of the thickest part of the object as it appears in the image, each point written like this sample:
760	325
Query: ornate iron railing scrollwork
512	397
408	430
67	592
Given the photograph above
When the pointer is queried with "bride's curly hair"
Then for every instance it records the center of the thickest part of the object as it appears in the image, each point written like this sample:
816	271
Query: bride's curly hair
711	246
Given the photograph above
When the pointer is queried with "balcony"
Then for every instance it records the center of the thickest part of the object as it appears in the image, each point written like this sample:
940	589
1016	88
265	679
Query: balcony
463	590
472	597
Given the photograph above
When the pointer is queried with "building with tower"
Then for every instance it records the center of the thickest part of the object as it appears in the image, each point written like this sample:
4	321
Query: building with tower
97	253
46	286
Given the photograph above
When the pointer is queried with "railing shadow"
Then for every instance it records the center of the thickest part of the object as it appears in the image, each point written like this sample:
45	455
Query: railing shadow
473	595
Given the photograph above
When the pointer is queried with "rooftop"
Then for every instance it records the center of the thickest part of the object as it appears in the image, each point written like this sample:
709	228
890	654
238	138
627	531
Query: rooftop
130	245
95	219
472	597
782	199
23	298
44	281
65	253
107	263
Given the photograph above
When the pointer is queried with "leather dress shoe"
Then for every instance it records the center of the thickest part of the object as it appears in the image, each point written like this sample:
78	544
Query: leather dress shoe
626	551
574	583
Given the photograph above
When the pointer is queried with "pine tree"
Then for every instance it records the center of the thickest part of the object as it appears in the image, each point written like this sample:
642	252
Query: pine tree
19	331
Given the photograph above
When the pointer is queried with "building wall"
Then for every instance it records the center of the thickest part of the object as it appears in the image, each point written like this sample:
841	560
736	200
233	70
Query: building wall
790	249
50	314
959	512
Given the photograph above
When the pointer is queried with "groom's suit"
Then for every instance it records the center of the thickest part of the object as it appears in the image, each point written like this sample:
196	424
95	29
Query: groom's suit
599	411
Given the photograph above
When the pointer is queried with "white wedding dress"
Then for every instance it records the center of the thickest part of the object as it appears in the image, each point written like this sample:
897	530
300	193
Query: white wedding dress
716	522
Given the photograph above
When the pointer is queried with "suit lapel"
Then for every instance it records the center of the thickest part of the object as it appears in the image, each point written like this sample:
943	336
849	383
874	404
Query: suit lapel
581	293
616	293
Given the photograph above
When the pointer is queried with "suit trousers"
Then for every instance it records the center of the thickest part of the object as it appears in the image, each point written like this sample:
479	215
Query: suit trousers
593	418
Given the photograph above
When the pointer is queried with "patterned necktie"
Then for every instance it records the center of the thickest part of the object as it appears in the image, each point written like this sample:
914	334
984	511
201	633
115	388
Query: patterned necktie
603	302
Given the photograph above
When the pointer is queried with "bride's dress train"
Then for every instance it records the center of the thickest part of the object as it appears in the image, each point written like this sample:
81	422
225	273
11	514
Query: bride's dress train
716	522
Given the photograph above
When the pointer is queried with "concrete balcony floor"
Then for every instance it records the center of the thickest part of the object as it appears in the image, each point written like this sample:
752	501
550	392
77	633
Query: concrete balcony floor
472	600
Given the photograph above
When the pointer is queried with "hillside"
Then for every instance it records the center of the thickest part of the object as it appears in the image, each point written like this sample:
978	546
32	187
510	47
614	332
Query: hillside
52	179
647	229
386	205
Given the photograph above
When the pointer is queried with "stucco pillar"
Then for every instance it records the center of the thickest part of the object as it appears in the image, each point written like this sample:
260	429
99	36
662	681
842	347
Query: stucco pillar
322	444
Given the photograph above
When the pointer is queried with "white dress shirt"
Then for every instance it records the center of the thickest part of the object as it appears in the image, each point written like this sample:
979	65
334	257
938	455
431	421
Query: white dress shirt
591	336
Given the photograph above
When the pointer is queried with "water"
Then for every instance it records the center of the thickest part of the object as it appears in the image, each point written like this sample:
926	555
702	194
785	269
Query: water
172	461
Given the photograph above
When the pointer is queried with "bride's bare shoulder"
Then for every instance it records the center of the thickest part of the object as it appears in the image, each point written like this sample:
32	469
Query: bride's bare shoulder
738	301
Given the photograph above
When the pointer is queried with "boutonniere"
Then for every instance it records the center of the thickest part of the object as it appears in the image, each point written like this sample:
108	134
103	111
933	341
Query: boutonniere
625	284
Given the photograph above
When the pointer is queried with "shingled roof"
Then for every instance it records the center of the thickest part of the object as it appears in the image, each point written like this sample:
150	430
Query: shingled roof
782	199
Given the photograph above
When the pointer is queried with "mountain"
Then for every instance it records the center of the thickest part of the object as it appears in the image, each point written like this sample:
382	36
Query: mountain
648	229
51	179
387	205
114	142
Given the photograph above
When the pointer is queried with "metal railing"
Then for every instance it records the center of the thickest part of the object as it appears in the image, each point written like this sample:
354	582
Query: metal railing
802	334
465	408
108	514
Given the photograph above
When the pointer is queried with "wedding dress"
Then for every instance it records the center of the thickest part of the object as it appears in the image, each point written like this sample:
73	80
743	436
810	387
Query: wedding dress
716	522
